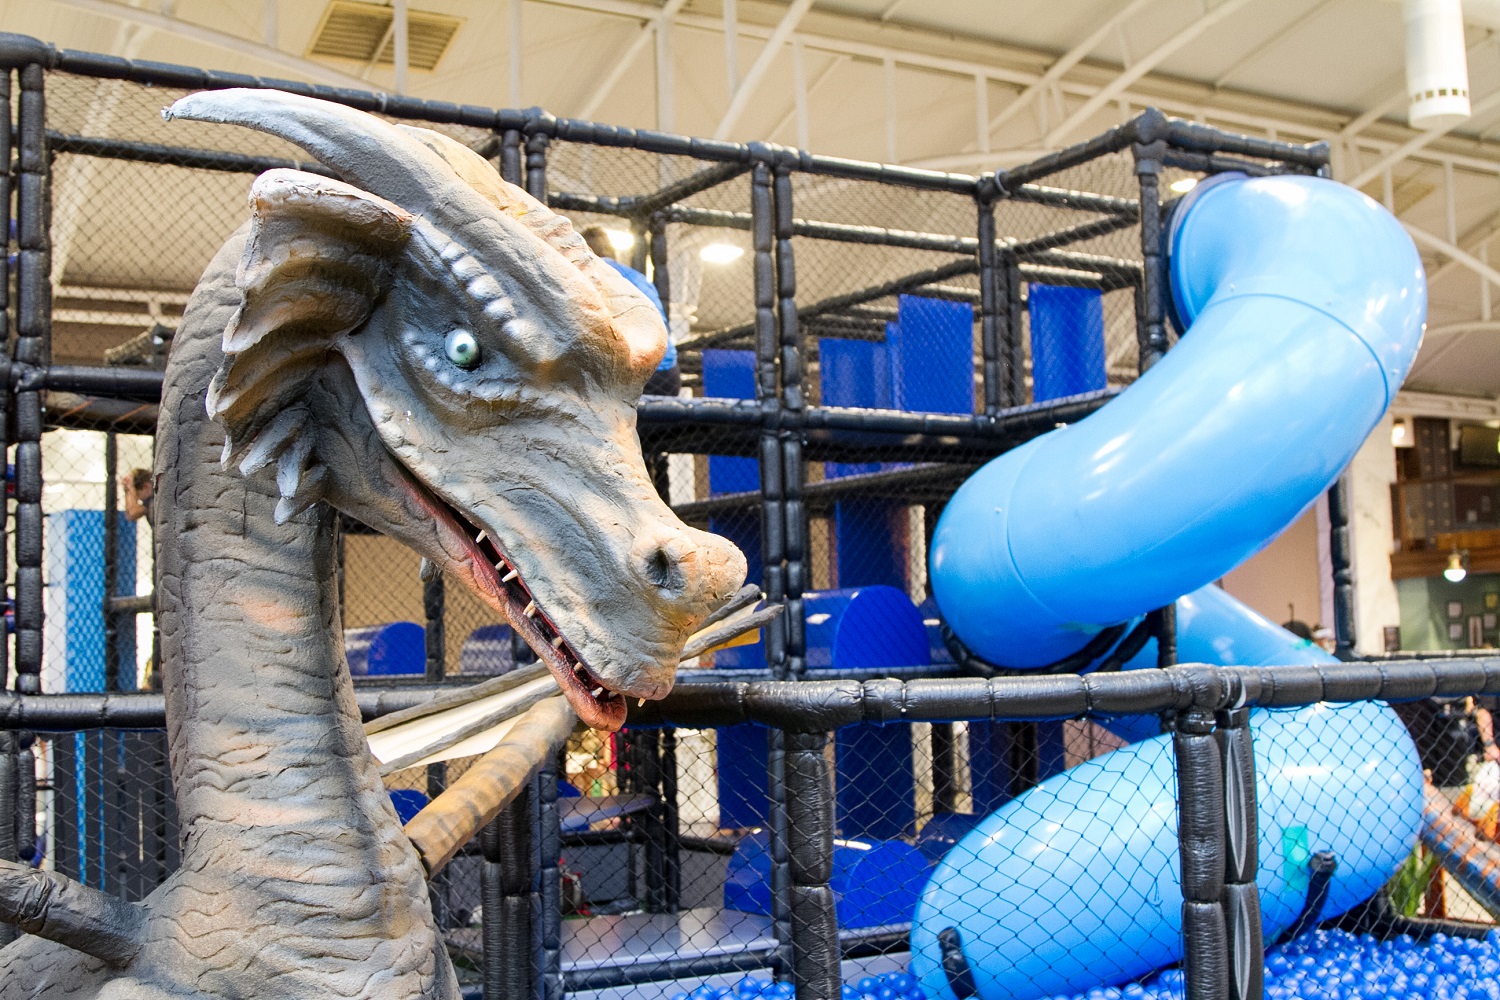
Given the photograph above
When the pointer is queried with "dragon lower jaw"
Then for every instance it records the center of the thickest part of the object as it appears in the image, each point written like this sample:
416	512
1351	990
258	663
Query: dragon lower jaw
495	580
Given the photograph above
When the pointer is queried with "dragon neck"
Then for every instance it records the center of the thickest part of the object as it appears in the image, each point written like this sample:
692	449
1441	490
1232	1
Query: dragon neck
269	759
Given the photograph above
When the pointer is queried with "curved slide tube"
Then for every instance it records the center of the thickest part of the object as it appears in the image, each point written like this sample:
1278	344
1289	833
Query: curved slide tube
1076	883
1306	301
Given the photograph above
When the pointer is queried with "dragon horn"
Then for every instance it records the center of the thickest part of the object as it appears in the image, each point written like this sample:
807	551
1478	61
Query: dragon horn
360	148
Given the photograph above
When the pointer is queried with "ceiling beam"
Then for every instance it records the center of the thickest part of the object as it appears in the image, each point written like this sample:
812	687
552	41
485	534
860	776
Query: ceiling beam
1067	61
1140	68
1439	245
1472	242
779	35
1271	40
1421	141
304	68
616	72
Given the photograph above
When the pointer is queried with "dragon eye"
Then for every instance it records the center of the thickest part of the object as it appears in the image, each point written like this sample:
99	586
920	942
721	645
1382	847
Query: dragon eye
462	349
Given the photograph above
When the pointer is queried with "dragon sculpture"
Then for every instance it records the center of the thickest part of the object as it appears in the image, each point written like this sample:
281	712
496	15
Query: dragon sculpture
423	347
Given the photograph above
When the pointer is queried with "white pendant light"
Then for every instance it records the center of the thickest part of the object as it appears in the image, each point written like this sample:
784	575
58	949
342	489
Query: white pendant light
1437	65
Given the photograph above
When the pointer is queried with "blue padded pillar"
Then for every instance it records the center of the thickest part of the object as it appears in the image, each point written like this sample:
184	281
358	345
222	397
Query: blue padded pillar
742	753
1067	341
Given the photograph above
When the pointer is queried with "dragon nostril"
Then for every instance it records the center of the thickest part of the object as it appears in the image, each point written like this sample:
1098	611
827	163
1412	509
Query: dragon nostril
662	570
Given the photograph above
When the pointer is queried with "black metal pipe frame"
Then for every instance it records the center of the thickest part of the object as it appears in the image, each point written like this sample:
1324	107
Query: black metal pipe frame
993	325
547	902
111	562
10	758
816	958
20	51
435	668
9	800
1340	555
509	879
1241	900
1200	842
1151	126
825	705
32	347
772	525
176	156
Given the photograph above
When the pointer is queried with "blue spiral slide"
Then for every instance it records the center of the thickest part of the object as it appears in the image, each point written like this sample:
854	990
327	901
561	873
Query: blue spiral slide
1306	303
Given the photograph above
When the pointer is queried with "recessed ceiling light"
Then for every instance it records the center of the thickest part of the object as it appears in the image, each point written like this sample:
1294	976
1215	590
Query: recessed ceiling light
721	253
1183	184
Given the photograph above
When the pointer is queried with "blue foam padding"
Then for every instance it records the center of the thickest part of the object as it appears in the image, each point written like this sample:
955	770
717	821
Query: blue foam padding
488	650
1067	341
932	355
874	882
384	650
408	802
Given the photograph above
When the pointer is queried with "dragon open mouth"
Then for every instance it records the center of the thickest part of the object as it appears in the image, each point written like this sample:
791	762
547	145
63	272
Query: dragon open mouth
499	583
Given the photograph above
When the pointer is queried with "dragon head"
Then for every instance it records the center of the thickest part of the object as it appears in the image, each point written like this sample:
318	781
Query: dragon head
434	352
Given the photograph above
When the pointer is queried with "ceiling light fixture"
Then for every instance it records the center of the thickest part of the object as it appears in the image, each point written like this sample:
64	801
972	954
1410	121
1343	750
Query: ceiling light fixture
1458	567
1183	185
721	253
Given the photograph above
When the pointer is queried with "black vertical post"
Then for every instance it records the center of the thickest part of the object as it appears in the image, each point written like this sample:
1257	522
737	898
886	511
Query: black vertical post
773	524
1341	555
547	925
815	931
508	886
944	768
536	165
671	822
67	776
9	801
434	601
10	760
1241	904
640	248
1164	627
992	313
661	275
767	392
646	774
33	332
793	401
1149	151
512	155
1200	834
1013	349
6	188
111	562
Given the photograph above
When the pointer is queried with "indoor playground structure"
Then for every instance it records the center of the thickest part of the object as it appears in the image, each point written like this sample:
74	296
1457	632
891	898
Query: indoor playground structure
988	442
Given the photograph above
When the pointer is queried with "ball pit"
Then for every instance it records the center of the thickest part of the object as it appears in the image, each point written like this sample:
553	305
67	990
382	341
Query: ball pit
1323	965
886	986
1337	965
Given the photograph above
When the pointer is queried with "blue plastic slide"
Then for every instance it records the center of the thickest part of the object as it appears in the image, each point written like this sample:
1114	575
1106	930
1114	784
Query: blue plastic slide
1306	302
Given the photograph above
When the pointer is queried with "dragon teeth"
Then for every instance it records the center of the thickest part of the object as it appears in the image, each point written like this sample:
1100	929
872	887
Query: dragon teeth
480	538
509	575
597	692
530	610
640	703
557	643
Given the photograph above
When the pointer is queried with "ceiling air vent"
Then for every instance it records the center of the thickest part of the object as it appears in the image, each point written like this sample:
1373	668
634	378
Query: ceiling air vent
364	32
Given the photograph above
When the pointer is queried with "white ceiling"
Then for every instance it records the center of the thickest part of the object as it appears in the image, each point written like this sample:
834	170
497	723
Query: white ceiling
909	79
